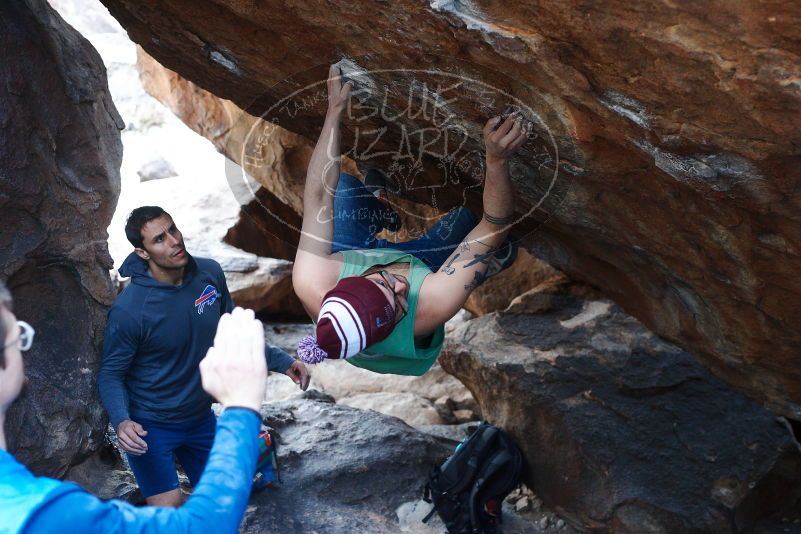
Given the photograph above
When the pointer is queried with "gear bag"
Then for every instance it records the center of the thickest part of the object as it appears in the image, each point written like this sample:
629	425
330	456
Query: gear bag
267	473
468	489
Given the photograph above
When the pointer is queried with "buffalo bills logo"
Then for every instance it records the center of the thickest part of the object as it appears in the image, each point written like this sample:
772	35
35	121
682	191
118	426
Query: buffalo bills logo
208	296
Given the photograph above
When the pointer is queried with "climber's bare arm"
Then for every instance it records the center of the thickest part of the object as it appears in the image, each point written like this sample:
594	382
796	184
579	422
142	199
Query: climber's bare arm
443	293
316	269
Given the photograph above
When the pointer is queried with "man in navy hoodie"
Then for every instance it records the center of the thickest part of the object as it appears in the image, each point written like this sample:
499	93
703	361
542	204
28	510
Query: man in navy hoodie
158	331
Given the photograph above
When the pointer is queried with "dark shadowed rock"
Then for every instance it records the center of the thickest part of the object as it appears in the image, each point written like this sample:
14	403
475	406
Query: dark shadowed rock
60	155
107	475
344	469
621	430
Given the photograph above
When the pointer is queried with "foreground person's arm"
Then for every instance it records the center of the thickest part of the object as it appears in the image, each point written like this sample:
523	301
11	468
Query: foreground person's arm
217	505
235	373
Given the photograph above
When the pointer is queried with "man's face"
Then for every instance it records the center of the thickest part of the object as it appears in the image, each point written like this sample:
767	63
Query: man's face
163	243
13	376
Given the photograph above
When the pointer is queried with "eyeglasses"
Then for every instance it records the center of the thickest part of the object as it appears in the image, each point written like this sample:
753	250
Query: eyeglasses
25	338
400	304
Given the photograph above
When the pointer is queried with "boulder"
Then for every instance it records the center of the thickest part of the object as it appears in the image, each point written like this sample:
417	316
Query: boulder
156	169
663	167
621	430
343	469
59	162
410	408
107	475
267	288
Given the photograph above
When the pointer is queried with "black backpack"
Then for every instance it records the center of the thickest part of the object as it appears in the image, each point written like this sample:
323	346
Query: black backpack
469	488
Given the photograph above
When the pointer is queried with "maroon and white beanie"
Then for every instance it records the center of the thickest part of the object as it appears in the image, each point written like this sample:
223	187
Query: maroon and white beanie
355	314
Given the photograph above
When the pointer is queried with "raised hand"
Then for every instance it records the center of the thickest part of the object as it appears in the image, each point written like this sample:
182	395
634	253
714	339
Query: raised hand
234	370
503	139
338	92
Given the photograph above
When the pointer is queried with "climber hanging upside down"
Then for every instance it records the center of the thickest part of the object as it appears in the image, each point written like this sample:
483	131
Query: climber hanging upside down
382	306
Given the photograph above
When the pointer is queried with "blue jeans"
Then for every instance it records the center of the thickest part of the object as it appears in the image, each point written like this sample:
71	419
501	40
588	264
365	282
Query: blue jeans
358	216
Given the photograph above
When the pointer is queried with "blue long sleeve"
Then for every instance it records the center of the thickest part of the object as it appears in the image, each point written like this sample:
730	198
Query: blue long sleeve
120	344
277	359
217	505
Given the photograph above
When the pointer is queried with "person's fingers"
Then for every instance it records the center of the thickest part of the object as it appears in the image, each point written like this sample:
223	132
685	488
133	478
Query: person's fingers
514	131
257	341
136	449
243	335
222	328
139	429
305	378
206	361
248	316
128	445
123	442
131	450
209	375
344	93
334	73
517	143
505	126
257	347
228	338
525	130
294	373
490	125
135	439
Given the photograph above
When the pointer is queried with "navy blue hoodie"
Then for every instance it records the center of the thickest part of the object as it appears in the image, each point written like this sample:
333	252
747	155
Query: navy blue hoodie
155	337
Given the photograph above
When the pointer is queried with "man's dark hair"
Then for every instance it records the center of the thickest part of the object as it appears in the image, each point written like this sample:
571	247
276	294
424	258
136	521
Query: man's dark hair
5	302
137	219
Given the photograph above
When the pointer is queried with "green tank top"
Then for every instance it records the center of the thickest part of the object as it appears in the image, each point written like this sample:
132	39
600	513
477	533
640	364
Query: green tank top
399	353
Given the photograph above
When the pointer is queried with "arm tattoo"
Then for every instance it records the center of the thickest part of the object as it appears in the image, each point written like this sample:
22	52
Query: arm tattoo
480	258
478	279
493	249
500	221
448	269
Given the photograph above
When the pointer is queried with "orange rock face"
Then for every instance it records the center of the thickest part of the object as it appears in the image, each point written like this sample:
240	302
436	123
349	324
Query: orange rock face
672	129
